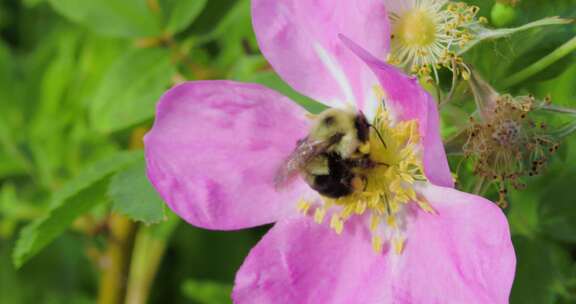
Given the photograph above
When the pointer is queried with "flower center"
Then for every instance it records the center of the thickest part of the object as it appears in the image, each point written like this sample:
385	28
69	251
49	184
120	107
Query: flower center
430	33
507	132
384	190
416	28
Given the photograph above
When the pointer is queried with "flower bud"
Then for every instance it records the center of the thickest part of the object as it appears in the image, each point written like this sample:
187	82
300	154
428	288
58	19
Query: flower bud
502	14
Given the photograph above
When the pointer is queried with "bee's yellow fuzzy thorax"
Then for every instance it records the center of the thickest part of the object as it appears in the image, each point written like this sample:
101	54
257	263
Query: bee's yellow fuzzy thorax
387	188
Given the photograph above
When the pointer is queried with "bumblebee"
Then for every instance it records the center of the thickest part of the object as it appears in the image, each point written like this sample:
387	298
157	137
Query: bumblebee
330	159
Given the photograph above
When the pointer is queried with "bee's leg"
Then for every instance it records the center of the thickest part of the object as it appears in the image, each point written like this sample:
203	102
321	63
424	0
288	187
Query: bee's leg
364	163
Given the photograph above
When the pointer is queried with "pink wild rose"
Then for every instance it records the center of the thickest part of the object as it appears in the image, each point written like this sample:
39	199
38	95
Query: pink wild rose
409	237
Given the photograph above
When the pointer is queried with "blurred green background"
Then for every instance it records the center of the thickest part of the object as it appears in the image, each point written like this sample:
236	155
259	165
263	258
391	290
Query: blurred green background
78	84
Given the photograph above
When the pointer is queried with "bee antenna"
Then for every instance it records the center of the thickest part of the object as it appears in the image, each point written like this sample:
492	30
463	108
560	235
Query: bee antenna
379	135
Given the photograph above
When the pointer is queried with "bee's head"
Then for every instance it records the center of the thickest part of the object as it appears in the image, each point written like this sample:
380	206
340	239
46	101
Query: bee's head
348	129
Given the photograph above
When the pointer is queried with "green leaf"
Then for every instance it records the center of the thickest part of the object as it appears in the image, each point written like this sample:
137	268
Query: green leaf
163	231
77	197
125	18
181	13
133	195
557	208
130	89
40	233
207	292
217	17
236	36
11	159
56	81
516	52
272	80
232	32
6	77
538	271
251	69
32	3
483	33
10	102
96	172
561	88
523	212
534	9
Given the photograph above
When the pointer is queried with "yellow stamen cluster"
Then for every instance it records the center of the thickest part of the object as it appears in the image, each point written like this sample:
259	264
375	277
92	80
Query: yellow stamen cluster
427	35
509	144
387	187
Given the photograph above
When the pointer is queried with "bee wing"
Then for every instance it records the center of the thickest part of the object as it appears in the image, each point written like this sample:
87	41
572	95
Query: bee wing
297	160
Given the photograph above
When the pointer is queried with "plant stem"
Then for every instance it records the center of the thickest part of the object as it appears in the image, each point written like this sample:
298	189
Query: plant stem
541	64
452	87
150	246
116	260
554	108
566	130
148	252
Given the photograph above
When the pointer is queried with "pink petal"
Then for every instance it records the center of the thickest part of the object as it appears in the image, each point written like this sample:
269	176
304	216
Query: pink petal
300	40
408	100
464	251
434	157
215	148
299	261
463	254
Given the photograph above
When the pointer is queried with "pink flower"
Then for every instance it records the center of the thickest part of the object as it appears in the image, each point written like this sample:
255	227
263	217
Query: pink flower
216	147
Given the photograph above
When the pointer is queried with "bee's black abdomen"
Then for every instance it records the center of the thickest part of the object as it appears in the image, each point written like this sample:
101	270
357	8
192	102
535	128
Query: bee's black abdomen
329	187
338	182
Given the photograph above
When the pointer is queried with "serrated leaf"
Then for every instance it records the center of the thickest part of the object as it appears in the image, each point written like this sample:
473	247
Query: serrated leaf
163	231
130	89
40	233
483	33
77	197
133	195
181	13
125	18
207	292
96	172
529	43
